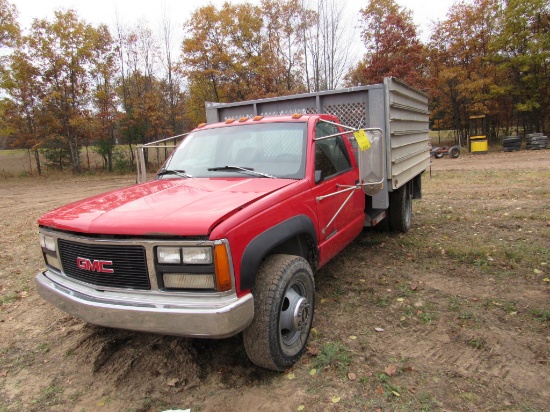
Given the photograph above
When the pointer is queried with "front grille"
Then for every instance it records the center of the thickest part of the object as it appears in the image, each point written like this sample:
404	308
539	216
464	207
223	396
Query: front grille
129	264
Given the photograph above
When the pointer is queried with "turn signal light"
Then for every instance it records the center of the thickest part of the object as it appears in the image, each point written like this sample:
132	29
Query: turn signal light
222	268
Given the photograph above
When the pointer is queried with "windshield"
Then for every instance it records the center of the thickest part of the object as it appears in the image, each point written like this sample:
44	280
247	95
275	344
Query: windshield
271	149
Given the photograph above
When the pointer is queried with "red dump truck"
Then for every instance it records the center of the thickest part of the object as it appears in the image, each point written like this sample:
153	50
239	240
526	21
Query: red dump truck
227	236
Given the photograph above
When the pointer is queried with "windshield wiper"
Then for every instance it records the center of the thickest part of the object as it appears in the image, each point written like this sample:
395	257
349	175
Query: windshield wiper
180	173
240	169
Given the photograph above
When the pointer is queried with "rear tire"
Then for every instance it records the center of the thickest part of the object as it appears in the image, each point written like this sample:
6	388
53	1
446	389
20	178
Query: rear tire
400	210
284	301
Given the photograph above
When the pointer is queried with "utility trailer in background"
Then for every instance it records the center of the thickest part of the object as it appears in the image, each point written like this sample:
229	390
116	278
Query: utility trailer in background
399	110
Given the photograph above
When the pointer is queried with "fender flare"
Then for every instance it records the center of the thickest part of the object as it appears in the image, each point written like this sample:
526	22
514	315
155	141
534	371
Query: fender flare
259	247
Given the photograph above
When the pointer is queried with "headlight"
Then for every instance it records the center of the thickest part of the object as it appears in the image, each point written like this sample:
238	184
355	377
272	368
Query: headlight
47	242
197	255
169	255
186	255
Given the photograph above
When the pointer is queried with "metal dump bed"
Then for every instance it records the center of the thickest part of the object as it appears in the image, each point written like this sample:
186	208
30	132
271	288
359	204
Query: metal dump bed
393	106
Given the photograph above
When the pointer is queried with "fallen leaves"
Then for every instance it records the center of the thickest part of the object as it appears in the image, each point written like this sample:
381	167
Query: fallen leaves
311	351
335	399
390	370
172	382
352	376
379	329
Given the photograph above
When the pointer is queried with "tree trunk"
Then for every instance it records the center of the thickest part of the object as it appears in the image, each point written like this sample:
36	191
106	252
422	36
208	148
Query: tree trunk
30	160
37	158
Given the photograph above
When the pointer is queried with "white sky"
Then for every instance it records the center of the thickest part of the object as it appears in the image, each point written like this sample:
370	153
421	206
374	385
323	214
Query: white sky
130	11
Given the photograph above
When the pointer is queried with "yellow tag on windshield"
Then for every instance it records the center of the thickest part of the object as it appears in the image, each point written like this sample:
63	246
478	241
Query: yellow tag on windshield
362	139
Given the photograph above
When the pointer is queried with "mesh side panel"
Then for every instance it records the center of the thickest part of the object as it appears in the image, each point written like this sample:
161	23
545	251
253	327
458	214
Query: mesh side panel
350	114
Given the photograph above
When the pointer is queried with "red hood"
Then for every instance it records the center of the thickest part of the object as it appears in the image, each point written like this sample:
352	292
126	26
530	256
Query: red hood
183	207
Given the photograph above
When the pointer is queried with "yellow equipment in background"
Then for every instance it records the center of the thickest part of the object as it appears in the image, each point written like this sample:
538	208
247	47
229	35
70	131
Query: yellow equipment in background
477	138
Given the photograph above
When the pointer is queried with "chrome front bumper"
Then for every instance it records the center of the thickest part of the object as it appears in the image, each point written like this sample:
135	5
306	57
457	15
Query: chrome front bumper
169	315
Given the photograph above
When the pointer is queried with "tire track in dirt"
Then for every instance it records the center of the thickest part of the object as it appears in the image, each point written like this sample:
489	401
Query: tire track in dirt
487	355
136	362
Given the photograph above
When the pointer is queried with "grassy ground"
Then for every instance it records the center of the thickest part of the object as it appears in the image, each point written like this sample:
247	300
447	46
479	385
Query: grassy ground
452	316
17	163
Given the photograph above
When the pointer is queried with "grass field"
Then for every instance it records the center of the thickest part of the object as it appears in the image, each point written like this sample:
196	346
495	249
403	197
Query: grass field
452	316
18	163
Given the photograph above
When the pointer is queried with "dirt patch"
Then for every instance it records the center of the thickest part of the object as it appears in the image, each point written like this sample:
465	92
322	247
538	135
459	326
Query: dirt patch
453	315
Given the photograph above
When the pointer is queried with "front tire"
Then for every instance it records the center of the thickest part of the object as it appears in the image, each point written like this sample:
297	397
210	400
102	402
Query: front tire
284	300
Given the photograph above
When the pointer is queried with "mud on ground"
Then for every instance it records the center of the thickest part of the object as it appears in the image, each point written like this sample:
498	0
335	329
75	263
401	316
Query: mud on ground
452	316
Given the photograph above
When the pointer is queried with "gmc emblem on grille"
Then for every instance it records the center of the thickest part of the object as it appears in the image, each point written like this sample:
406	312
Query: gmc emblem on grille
94	265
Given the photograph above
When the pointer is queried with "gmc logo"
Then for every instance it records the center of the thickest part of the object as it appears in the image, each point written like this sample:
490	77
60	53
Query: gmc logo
94	265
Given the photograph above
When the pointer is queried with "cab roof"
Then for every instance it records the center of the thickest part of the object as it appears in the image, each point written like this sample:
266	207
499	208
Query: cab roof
294	118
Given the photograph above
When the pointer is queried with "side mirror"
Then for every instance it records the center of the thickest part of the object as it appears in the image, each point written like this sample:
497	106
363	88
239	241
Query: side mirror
371	160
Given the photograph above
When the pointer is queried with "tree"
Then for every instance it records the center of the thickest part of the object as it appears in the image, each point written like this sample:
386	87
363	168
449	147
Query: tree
284	25
9	28
104	96
172	83
63	52
241	52
393	47
524	45
463	64
22	110
325	31
146	101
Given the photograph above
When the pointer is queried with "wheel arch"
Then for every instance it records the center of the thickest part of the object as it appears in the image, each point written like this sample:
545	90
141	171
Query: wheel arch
294	236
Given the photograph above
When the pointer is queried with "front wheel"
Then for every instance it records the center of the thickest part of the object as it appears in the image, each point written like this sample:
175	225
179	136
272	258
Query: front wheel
284	300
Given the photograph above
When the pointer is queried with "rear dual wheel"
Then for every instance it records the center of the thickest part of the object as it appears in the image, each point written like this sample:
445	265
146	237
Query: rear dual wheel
284	300
400	210
399	214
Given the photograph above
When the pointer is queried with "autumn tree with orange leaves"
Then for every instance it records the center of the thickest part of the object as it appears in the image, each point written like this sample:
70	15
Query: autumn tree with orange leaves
493	58
393	47
242	52
69	87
